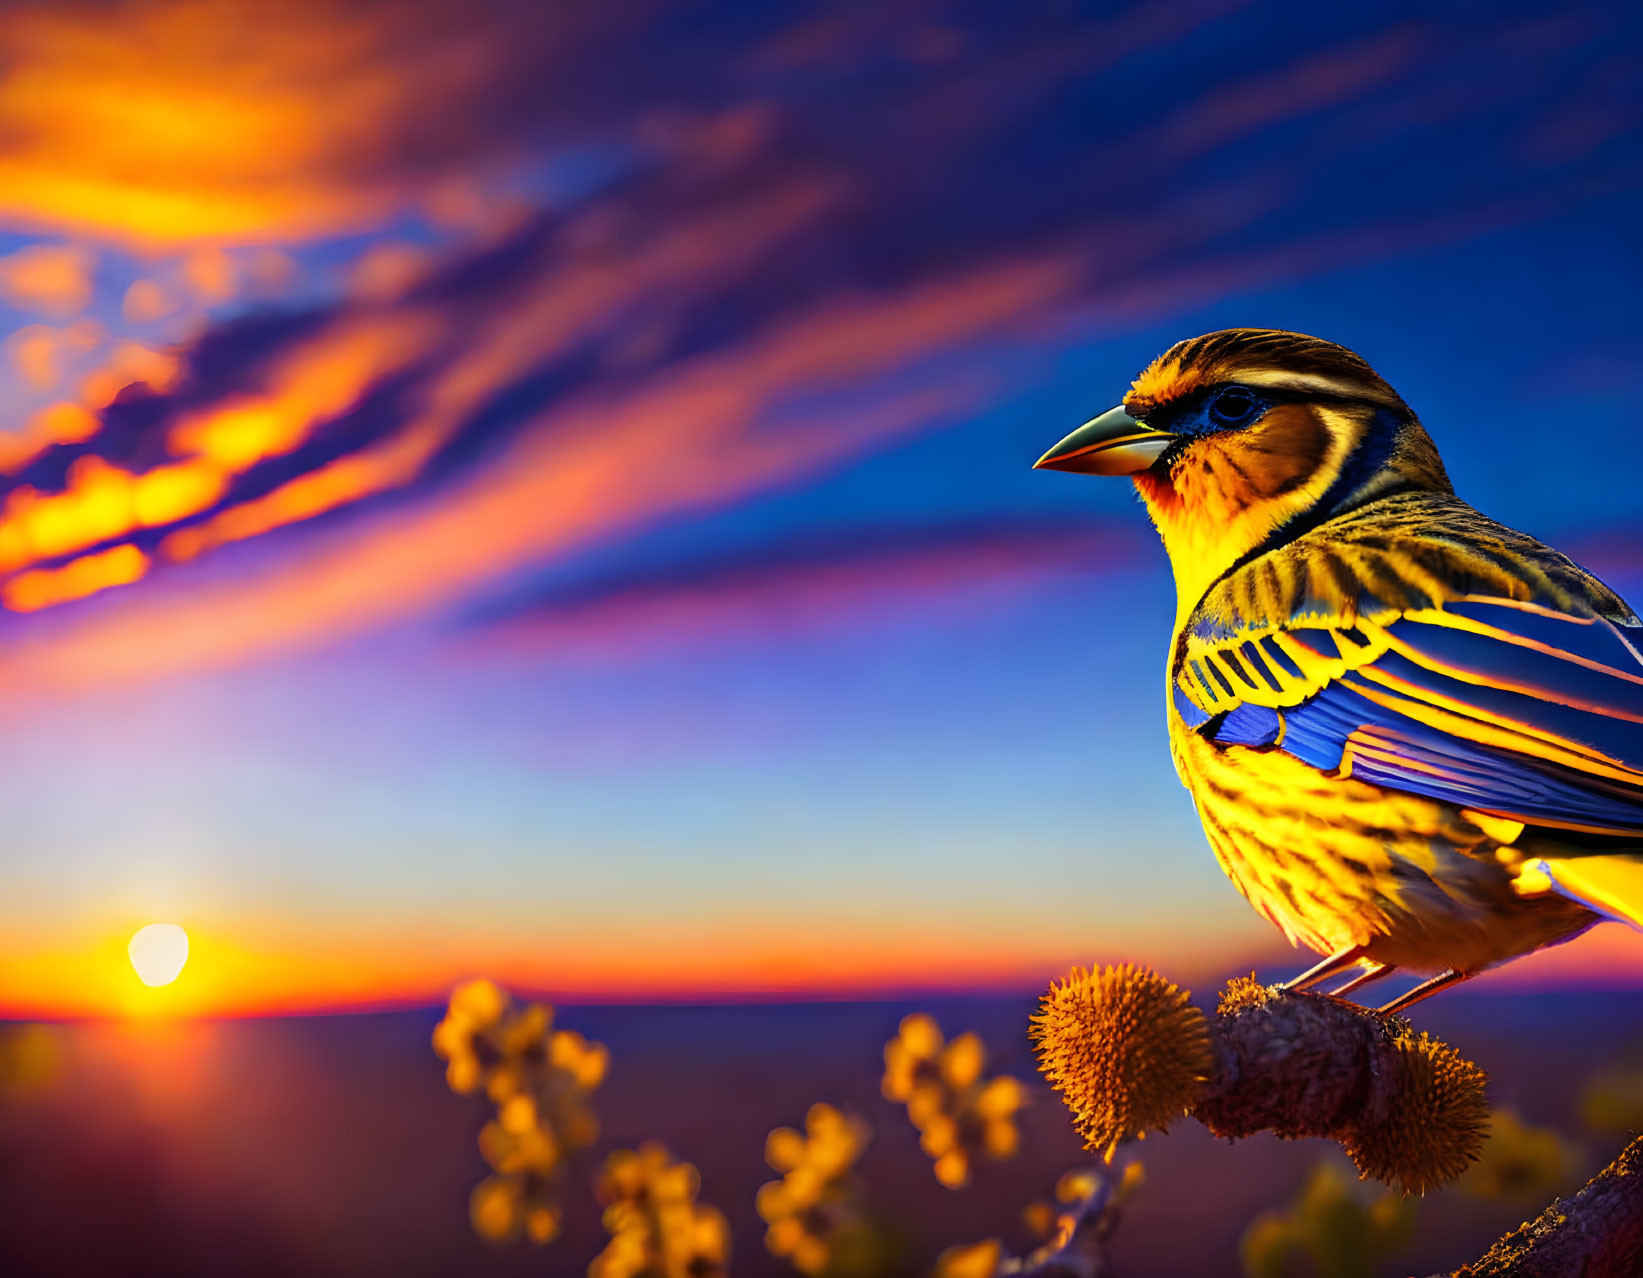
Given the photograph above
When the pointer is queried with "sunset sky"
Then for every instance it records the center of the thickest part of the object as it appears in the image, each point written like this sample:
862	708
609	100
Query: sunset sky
544	490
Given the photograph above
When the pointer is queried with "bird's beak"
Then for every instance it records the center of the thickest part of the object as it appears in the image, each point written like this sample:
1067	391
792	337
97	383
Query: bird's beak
1113	444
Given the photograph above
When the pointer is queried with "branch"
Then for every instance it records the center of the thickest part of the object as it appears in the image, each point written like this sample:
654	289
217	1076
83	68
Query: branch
1128	1053
1596	1234
1077	1249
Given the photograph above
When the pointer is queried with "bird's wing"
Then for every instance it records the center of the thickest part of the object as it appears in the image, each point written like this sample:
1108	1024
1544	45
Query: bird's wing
1514	710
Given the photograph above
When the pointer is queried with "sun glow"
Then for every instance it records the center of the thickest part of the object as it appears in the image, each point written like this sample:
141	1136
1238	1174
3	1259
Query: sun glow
158	953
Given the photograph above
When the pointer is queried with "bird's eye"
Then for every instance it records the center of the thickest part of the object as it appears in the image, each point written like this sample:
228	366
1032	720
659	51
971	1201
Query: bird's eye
1233	407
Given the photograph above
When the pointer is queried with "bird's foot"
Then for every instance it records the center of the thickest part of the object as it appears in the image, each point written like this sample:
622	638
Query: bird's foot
1374	972
1336	962
1424	990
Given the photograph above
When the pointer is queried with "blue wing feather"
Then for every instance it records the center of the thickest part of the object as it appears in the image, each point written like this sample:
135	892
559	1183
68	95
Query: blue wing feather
1190	714
1250	725
1390	749
1574	684
1619	740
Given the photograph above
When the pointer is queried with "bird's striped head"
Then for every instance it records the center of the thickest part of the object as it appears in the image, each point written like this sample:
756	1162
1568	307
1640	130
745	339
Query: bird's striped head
1247	437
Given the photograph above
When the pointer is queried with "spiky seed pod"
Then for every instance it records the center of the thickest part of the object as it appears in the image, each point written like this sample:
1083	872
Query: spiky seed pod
1125	1048
1435	1128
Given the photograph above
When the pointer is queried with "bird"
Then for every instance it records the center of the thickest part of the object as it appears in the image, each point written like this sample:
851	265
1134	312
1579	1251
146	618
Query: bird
1413	735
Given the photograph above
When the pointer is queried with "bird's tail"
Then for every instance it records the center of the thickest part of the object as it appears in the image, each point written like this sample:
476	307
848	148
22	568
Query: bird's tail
1609	882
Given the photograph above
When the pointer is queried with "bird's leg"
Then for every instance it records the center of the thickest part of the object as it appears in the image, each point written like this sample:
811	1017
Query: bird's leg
1324	970
1373	972
1425	990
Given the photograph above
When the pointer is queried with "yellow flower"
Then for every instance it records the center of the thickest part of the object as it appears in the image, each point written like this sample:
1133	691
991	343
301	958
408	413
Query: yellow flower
1039	1218
961	1061
480	1003
958	1113
542	1224
1613	1101
540	1081
504	1207
816	1203
918	1041
657	1227
1520	1163
496	1207
1333	1222
953	1169
28	1057
974	1260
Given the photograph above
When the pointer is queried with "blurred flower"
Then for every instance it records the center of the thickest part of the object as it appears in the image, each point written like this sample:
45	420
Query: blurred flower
1125	1049
475	1010
28	1057
815	1213
970	1260
1613	1101
503	1208
541	1081
1334	1223
959	1115
657	1229
1522	1164
1039	1218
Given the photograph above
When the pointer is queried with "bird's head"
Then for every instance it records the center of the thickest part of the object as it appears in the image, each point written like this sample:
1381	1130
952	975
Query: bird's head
1245	438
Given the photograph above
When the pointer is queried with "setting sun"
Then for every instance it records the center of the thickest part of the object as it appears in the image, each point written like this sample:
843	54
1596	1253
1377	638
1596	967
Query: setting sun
158	953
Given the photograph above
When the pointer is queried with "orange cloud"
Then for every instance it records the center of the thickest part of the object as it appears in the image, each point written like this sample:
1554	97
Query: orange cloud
33	350
147	124
536	327
211	273
387	270
128	363
320	380
55	279
36	351
60	423
101	502
146	300
170	122
585	470
390	464
44	587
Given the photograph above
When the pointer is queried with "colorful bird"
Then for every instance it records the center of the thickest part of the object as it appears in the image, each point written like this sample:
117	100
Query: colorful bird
1414	736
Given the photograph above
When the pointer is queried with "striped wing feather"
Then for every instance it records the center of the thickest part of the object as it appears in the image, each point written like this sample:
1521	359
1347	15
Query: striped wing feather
1501	706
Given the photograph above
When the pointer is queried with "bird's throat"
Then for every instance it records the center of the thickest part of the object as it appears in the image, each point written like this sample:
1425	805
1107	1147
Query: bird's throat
1227	494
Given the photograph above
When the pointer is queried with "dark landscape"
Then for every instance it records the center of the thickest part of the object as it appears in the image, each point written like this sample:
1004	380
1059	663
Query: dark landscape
331	1146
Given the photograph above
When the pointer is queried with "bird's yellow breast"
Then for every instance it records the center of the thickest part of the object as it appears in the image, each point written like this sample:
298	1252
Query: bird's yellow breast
1336	863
